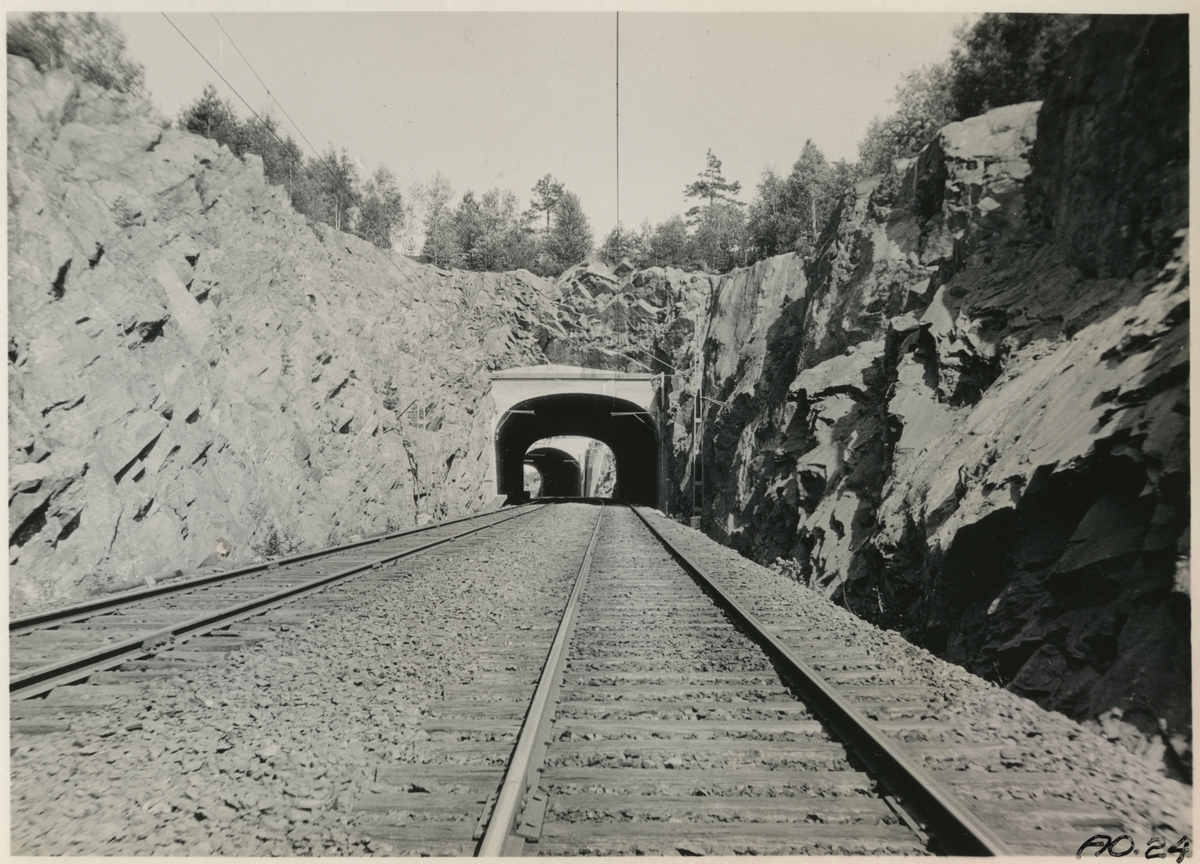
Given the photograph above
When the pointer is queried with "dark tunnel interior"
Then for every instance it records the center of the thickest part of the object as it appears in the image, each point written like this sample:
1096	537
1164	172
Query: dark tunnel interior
624	426
562	476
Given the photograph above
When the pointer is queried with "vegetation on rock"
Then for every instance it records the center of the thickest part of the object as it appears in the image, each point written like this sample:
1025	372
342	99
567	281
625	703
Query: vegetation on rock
1004	58
491	232
326	189
791	211
441	243
569	239
90	46
488	232
1001	59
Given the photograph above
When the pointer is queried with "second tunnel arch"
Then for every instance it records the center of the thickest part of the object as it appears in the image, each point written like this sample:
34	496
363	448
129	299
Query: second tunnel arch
619	409
561	473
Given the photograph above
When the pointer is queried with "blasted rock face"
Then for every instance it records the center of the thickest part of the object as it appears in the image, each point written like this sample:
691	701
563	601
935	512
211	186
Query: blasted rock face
197	376
970	423
606	312
828	367
1111	161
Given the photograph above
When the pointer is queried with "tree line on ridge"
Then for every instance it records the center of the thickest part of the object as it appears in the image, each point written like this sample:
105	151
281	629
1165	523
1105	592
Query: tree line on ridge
1000	59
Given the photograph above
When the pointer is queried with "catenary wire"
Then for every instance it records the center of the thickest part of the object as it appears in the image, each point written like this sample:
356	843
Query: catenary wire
413	289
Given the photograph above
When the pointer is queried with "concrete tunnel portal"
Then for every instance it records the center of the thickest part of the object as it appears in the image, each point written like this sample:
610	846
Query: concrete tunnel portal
617	409
561	473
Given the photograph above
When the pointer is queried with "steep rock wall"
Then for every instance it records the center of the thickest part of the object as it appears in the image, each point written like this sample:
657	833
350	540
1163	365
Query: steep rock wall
963	418
971	421
197	375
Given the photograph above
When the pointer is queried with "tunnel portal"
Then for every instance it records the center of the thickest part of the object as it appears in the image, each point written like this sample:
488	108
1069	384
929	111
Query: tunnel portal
618	409
562	476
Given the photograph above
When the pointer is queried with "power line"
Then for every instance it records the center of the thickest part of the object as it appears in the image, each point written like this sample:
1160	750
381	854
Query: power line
264	84
412	274
221	76
333	175
265	125
620	297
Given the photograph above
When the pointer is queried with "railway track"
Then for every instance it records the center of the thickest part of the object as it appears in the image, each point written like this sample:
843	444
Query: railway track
671	730
630	716
622	701
64	645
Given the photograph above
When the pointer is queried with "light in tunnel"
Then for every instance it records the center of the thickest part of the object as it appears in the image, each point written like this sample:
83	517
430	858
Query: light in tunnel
533	480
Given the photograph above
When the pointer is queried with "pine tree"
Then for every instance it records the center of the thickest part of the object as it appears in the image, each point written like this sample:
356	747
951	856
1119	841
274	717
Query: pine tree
212	117
712	186
569	241
720	228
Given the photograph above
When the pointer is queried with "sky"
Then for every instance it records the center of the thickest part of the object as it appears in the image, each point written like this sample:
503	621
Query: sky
500	99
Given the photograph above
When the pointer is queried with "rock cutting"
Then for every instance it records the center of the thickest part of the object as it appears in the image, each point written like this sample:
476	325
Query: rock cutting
941	455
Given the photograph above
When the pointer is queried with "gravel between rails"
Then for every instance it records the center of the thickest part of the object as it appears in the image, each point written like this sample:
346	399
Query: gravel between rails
1002	746
268	751
664	741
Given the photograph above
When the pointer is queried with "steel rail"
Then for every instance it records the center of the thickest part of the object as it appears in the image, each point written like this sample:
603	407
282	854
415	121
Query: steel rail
956	830
541	711
66	614
37	681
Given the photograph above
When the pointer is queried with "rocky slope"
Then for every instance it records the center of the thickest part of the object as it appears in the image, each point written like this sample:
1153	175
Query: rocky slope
195	374
966	417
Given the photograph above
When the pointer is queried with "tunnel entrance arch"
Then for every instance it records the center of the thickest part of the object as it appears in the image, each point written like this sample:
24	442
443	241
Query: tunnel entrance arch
562	475
619	409
569	467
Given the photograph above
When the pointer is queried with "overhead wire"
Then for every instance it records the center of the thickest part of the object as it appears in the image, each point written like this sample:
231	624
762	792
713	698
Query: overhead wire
250	66
620	297
411	277
412	288
617	148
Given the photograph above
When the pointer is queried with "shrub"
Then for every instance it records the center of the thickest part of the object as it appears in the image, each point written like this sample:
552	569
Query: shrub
90	46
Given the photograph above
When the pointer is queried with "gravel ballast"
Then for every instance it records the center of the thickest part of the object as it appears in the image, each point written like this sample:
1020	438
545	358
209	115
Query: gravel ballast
279	748
268	751
1003	754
